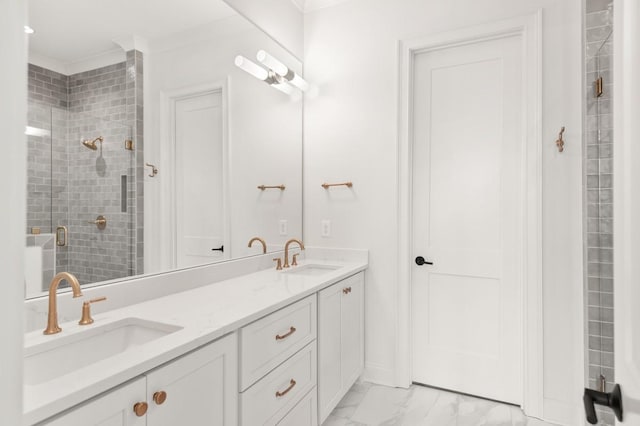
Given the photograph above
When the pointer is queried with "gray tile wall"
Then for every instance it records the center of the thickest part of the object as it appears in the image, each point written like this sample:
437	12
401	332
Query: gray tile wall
83	183
598	166
47	94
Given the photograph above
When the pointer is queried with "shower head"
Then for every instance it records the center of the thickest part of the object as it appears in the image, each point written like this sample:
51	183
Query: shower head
91	144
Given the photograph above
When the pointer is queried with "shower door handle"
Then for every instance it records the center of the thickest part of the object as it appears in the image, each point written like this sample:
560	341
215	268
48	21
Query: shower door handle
421	261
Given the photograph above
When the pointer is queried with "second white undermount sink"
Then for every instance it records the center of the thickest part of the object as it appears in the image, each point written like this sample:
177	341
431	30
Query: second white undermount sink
312	269
64	354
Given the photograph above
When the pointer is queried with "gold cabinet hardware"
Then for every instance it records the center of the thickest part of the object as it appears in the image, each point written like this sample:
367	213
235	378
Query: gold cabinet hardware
286	250
346	290
128	144
61	236
329	185
100	222
35	230
279	264
292	330
560	141
52	318
160	397
279	394
86	311
264	244
294	262
154	170
263	187
140	408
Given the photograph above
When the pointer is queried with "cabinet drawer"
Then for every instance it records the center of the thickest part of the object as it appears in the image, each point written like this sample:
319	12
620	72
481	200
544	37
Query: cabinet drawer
267	342
267	401
304	413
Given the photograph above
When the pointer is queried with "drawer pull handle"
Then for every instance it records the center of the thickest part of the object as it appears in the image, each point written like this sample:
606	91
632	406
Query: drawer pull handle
284	336
140	408
346	290
160	397
279	394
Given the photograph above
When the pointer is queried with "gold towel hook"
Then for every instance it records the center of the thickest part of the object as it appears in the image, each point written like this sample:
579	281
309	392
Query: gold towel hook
154	170
560	142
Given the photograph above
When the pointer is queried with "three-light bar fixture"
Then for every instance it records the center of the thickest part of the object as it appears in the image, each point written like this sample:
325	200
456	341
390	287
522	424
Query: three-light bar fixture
276	74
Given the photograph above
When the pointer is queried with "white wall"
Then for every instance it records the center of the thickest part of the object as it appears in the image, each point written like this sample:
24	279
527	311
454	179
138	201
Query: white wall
351	53
265	136
281	19
13	109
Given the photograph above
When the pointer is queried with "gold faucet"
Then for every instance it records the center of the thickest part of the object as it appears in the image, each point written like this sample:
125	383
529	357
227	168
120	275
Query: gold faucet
264	245
52	319
286	250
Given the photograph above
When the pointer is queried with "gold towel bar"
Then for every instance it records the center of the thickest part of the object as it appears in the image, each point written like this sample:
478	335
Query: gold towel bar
263	187
328	185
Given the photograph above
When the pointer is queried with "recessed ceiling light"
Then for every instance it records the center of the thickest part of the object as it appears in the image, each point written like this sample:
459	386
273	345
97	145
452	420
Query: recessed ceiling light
28	29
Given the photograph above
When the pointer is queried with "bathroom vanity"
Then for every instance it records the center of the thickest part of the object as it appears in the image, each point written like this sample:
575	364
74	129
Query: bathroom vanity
264	348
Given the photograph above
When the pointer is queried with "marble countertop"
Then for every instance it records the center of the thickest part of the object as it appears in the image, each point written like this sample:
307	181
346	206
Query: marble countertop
205	314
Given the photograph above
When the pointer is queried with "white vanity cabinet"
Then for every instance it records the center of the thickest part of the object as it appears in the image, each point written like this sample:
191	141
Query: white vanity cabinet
340	341
115	408
278	367
199	388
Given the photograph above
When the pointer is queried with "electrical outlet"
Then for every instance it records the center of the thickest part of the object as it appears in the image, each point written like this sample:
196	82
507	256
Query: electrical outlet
326	228
282	228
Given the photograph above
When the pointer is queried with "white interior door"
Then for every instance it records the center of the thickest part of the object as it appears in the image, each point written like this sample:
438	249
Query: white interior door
199	179
467	218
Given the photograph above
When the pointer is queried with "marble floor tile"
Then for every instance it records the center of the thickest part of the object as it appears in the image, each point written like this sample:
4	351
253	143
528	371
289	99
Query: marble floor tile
367	404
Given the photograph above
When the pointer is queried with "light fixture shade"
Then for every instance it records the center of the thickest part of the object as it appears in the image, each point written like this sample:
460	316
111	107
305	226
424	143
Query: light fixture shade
283	87
271	62
251	68
282	70
28	29
299	82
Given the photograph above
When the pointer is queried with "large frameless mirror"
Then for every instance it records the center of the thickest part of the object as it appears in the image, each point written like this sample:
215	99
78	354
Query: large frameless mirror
148	149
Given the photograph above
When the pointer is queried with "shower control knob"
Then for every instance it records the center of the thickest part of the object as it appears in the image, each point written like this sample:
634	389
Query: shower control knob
421	261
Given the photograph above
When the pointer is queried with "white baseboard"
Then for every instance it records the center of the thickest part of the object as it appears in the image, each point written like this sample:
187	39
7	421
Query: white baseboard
561	412
375	373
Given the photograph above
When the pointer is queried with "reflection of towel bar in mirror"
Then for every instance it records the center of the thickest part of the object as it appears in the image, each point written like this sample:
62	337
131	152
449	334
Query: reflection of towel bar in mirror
329	185
263	187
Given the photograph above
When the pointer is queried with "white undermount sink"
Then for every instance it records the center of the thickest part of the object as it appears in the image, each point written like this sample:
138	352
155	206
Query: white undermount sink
312	269
64	354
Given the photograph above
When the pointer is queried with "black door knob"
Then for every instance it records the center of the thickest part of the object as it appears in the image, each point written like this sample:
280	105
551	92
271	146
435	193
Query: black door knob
420	261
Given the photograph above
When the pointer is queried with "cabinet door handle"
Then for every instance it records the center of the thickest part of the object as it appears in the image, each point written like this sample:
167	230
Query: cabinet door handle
160	397
292	383
140	408
346	290
287	334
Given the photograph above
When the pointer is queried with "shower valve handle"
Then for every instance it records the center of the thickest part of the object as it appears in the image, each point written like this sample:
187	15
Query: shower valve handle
100	222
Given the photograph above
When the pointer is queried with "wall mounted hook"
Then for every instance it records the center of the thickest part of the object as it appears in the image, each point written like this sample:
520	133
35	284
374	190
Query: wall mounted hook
560	141
154	170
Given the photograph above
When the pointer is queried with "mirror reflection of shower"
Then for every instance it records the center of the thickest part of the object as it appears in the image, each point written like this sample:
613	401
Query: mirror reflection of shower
91	144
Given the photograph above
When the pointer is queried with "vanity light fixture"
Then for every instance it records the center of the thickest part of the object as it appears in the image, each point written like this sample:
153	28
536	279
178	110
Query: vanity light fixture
282	70
269	76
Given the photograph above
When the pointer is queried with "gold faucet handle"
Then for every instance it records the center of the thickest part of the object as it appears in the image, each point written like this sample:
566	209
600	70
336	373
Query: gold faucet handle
86	311
294	262
279	264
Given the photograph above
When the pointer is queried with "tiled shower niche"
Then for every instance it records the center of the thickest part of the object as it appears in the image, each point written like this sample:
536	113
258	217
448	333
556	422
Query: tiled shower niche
70	185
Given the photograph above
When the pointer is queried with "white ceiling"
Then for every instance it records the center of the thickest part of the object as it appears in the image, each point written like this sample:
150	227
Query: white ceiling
311	5
70	31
